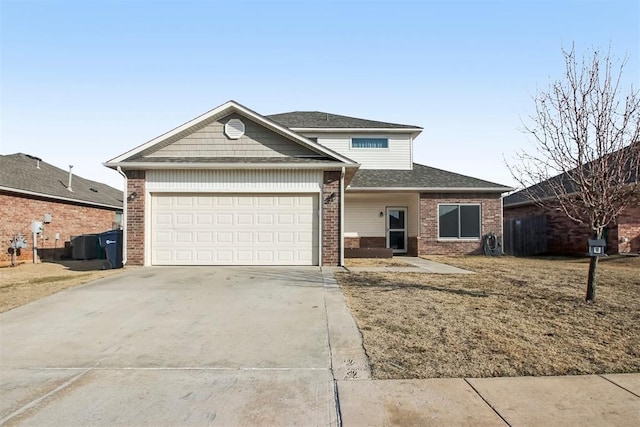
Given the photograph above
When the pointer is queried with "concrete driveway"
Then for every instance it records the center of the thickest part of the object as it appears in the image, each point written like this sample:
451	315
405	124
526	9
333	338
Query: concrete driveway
173	346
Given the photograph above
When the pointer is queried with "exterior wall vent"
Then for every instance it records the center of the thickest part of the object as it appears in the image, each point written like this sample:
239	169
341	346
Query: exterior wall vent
234	128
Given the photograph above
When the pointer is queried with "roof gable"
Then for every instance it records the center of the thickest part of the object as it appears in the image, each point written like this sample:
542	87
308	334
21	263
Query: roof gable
20	173
203	137
208	140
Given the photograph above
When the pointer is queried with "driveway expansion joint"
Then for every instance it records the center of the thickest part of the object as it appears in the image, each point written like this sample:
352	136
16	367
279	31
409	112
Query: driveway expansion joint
618	385
34	403
487	402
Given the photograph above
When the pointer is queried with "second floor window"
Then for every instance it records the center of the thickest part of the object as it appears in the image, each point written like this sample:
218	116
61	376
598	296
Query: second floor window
369	143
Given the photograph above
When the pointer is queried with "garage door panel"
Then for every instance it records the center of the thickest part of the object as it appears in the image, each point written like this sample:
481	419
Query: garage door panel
234	229
224	218
223	237
204	219
204	237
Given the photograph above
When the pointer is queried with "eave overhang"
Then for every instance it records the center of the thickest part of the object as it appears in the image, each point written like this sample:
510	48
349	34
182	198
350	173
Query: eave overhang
64	199
213	165
430	189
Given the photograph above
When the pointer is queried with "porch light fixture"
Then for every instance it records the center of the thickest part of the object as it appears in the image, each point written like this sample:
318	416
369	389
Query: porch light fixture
330	198
132	196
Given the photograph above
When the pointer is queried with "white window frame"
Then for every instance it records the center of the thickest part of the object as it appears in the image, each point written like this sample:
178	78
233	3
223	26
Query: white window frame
351	147
460	239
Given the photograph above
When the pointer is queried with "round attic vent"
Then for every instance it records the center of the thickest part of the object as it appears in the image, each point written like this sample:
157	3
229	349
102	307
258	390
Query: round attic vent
234	129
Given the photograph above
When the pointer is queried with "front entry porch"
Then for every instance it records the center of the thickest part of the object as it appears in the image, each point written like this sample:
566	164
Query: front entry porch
378	221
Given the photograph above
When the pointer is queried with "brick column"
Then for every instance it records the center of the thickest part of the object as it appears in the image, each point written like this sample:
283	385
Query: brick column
135	217
331	218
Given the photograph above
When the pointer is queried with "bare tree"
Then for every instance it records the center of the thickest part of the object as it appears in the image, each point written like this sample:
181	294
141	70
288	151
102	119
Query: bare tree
586	135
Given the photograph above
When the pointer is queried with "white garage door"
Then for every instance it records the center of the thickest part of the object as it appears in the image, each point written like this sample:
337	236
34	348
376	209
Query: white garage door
234	229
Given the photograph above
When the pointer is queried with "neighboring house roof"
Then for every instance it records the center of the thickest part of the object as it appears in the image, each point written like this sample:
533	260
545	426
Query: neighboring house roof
319	120
137	156
19	173
544	189
423	178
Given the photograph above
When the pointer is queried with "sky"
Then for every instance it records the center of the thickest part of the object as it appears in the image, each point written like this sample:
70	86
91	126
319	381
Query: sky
84	81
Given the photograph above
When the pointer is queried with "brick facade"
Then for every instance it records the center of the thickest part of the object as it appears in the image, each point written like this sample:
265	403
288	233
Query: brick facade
135	217
68	219
428	243
331	218
565	236
629	228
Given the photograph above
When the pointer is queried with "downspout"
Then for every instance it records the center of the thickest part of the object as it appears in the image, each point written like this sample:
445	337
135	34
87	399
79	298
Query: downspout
342	217
124	217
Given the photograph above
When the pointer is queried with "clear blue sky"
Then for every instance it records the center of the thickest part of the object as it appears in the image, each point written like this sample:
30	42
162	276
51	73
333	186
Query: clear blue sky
84	81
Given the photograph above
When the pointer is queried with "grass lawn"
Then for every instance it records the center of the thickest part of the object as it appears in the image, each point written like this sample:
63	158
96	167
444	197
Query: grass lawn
28	282
516	316
375	262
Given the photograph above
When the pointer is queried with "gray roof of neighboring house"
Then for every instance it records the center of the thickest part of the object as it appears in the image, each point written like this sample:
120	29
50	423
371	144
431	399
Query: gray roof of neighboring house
19	172
318	119
544	189
423	177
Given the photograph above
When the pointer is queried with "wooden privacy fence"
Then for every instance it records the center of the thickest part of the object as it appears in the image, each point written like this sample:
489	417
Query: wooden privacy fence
525	236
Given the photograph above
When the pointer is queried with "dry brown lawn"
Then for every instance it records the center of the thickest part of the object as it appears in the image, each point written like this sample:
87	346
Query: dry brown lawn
28	282
514	317
375	262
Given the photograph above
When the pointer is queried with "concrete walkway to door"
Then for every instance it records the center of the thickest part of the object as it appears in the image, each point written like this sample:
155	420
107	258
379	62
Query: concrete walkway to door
175	346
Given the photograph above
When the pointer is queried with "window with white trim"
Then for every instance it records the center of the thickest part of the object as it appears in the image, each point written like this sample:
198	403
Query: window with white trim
369	142
457	221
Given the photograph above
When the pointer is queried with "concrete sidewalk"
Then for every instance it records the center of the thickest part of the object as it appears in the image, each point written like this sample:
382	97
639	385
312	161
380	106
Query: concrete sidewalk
590	400
417	265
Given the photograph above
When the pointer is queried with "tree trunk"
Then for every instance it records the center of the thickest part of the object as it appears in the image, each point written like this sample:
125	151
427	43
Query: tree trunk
591	281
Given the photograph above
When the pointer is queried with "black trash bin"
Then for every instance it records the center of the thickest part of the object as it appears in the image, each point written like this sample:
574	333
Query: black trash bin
111	241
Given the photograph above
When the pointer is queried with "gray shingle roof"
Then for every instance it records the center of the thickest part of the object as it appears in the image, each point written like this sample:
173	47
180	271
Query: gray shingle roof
318	119
18	171
567	180
421	176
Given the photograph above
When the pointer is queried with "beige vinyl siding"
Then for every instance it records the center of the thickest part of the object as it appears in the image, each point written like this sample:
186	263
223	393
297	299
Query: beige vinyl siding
362	212
211	141
397	156
228	180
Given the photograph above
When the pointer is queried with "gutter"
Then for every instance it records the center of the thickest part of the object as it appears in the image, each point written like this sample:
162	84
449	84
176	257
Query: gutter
433	189
342	217
177	165
66	199
124	217
351	130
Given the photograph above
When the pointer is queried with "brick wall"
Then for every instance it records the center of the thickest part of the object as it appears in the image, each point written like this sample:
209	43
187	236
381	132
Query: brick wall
135	217
331	218
568	237
629	228
68	219
428	244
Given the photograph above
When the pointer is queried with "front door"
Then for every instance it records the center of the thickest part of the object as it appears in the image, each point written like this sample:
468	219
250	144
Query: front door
397	230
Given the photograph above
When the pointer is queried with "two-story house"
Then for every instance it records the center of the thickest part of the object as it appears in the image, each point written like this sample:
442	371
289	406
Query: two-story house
233	187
